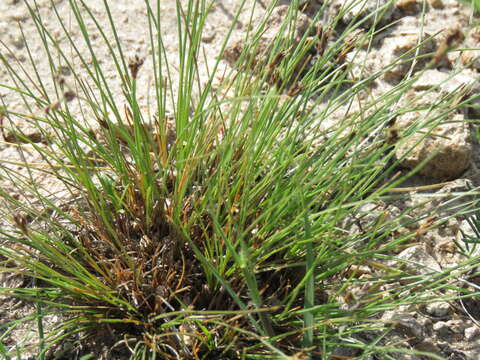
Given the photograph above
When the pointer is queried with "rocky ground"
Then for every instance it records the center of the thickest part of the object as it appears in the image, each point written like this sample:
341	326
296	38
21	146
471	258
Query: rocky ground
448	329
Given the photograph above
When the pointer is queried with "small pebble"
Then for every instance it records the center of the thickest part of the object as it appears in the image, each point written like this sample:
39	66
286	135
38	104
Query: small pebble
441	328
208	34
456	326
438	309
471	333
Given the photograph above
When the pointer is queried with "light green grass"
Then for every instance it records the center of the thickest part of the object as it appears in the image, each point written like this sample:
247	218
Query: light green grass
226	243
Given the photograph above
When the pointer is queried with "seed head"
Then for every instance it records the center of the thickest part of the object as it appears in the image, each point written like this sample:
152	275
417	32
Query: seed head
134	65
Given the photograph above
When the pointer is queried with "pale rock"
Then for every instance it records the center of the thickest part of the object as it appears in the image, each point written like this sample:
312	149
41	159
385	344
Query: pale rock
438	309
456	326
441	84
401	48
364	63
391	314
465	82
466	79
367	216
208	34
447	145
442	343
418	260
441	329
451	199
446	83
471	333
417	99
425	321
471	57
364	217
430	79
454	8
406	324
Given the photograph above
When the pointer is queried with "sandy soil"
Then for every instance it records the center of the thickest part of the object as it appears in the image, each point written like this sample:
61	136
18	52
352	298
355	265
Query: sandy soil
132	28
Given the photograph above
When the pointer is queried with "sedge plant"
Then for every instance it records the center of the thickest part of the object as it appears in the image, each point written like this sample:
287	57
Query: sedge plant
212	226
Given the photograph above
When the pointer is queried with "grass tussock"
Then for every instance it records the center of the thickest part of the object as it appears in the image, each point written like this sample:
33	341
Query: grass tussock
212	226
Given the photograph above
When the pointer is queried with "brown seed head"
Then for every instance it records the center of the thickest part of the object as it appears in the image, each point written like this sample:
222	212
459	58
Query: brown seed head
134	65
69	95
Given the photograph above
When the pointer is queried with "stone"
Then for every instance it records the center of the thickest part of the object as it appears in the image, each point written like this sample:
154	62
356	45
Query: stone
430	79
364	217
464	83
444	83
466	79
418	260
456	326
471	57
444	204
446	147
471	333
438	309
208	34
441	329
401	48
408	325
